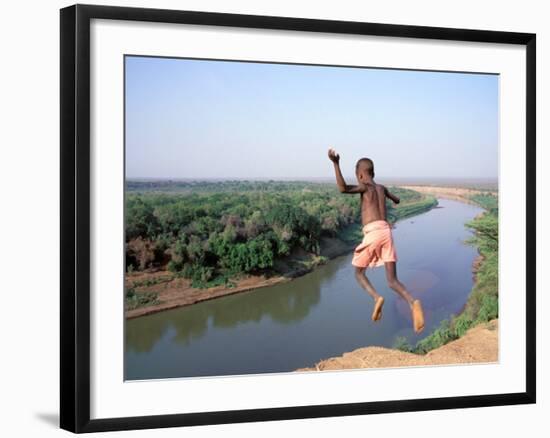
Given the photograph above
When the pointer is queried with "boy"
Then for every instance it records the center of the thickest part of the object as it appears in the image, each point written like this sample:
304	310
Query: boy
377	248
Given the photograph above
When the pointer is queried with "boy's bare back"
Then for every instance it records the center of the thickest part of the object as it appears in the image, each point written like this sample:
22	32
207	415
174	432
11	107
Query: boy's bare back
373	203
373	195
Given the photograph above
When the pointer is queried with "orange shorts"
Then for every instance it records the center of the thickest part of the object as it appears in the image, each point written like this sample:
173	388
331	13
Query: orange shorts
377	246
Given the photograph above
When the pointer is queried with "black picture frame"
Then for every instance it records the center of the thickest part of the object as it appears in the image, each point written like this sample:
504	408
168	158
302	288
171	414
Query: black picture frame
75	217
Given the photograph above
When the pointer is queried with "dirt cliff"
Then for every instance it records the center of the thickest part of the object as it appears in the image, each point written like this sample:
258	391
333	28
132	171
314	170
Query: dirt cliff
479	344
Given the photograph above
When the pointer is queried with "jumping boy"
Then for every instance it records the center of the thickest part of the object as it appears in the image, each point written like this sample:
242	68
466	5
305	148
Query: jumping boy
377	248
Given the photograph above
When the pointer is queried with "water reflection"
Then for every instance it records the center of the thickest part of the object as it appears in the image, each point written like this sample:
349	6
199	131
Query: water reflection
279	303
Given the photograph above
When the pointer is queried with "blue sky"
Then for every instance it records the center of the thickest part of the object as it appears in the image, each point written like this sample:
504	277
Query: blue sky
217	119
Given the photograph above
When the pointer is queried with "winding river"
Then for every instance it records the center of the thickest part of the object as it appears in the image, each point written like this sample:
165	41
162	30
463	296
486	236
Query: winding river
322	314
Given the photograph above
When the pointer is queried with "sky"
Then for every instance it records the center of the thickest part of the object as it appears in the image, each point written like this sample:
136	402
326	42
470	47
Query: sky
224	119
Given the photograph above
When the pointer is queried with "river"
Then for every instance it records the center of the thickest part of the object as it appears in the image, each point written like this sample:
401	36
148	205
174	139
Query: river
322	314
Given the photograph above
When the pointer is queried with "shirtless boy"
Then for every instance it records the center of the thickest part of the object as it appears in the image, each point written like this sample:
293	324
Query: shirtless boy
377	248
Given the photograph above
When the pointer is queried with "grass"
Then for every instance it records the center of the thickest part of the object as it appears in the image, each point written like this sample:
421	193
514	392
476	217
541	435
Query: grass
217	281
314	261
134	300
351	234
152	281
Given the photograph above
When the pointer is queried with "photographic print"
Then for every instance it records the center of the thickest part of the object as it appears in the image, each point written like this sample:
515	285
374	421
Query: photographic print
281	210
293	217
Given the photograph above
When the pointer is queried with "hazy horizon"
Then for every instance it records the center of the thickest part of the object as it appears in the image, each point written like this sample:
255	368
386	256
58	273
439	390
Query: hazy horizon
184	119
298	178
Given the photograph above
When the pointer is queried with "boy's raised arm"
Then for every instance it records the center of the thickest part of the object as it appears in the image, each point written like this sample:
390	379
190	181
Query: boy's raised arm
340	182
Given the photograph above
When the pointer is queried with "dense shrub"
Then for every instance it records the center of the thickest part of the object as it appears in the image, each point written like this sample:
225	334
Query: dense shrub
210	231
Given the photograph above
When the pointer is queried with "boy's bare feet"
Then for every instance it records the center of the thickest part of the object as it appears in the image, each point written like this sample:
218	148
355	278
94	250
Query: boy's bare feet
377	311
417	316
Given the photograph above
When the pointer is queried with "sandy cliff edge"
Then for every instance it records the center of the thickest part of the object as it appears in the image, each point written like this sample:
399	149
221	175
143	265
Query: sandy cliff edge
478	345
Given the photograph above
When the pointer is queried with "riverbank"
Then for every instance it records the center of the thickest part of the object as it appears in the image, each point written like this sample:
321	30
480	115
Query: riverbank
169	291
178	292
173	291
478	345
482	303
452	193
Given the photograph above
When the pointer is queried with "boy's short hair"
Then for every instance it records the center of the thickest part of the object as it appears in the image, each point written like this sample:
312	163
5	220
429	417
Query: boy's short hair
368	162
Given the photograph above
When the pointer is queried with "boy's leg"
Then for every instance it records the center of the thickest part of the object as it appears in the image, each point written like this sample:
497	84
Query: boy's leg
366	284
397	286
